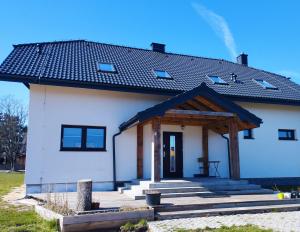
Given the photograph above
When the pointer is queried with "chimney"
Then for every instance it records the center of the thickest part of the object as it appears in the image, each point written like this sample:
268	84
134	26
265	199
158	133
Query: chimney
242	59
157	47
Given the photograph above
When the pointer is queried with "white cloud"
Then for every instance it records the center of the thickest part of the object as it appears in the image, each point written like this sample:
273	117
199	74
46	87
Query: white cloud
219	25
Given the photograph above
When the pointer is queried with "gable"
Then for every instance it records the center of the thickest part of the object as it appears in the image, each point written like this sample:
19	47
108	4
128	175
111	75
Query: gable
199	106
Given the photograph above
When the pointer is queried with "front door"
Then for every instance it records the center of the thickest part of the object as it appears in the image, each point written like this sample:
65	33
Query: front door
172	155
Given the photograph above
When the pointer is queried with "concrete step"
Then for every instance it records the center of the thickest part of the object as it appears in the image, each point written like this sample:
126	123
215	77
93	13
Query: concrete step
173	195
202	206
233	187
226	211
174	185
246	192
179	190
178	184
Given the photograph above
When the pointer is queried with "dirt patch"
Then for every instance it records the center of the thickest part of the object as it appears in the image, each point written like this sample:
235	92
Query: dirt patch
15	195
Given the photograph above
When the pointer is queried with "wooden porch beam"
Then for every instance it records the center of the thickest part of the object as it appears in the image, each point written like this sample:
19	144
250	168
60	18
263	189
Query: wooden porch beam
199	113
198	105
186	106
184	121
234	148
205	150
156	134
209	104
140	151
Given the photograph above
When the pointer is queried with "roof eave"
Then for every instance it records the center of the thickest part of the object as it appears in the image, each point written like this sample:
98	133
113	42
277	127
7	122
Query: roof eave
125	88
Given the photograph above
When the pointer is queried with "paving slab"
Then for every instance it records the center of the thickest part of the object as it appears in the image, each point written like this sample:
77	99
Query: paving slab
111	199
282	222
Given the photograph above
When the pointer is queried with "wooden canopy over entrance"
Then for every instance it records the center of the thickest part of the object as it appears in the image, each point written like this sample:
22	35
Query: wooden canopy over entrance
201	106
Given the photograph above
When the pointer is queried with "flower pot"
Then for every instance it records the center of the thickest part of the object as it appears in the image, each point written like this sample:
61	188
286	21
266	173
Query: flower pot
153	198
280	196
95	205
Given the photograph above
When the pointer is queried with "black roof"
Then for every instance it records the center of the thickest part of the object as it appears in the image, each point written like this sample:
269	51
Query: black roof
74	63
202	90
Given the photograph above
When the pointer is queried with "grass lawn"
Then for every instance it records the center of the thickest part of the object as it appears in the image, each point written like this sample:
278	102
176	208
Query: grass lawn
14	218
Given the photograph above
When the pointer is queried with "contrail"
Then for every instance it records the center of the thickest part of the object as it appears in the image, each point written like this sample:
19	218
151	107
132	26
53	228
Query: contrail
219	25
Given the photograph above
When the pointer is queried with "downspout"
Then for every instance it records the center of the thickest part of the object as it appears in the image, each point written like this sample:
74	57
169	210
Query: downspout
114	160
228	152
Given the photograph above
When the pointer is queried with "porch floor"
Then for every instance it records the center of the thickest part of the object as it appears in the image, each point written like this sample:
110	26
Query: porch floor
112	199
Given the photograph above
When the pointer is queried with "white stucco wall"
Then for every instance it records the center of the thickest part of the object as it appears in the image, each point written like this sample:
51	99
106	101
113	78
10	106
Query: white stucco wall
265	155
50	107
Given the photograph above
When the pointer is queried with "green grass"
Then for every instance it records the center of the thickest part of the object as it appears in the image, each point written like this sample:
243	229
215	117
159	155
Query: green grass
247	228
10	180
21	219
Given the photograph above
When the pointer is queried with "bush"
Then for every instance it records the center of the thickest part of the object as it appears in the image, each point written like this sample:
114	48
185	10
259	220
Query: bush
141	226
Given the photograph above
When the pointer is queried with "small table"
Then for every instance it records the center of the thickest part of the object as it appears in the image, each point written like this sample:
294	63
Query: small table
215	165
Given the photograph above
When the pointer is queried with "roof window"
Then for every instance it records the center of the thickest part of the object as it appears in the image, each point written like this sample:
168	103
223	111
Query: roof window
217	80
106	67
162	74
265	84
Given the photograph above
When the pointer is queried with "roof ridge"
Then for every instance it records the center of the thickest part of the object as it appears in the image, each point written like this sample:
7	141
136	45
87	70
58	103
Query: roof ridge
49	42
122	46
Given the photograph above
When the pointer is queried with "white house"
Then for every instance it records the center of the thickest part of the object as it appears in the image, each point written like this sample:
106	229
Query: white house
115	114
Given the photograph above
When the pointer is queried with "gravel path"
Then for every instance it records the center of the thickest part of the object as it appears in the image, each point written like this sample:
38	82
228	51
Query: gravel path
284	221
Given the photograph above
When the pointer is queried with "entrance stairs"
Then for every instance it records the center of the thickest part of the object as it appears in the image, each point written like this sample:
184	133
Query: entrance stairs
202	187
225	207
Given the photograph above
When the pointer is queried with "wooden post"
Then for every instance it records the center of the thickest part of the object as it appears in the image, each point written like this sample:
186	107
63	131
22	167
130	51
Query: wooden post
205	150
234	149
84	195
157	149
140	151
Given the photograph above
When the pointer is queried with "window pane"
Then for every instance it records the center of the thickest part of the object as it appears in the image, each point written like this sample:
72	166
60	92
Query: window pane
265	84
172	154
286	134
247	133
95	138
162	74
107	67
72	137
217	80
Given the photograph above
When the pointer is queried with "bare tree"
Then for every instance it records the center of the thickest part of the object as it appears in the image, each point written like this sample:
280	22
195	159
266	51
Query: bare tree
12	129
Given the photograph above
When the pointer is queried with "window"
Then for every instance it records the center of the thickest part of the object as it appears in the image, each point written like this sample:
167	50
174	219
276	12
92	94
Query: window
106	67
72	137
83	138
284	134
217	80
162	74
248	134
265	84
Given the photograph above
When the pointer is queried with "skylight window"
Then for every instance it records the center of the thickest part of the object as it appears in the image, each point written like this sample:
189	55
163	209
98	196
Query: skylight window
265	84
217	80
162	74
106	67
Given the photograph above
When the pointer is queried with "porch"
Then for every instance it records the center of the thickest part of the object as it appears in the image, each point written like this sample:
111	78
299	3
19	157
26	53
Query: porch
201	108
192	187
188	206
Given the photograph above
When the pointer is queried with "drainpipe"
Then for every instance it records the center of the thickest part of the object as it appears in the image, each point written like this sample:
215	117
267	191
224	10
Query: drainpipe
114	160
228	152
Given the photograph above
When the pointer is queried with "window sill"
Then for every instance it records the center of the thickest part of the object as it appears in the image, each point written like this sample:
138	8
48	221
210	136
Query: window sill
83	150
288	139
248	138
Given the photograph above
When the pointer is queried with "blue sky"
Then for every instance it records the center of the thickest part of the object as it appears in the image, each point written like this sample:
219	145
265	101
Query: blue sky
269	31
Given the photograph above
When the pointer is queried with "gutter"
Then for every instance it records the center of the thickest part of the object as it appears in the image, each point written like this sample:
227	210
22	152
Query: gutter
114	160
228	152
